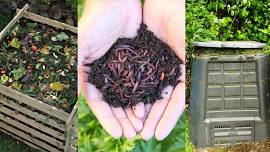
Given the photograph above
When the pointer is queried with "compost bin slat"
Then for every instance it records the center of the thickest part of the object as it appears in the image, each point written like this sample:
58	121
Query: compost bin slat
32	123
31	131
35	115
72	149
28	137
39	105
48	21
22	140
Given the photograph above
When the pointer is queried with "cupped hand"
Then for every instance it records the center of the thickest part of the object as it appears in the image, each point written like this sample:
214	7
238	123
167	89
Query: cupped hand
102	23
167	20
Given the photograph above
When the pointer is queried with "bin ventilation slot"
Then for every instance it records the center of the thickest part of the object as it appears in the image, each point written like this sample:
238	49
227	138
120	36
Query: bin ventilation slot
222	127
227	133
243	126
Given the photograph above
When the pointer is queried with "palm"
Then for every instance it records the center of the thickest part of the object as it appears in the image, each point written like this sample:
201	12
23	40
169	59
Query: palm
102	23
166	20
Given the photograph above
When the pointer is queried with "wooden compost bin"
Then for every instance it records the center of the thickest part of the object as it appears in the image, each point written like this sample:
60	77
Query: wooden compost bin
31	121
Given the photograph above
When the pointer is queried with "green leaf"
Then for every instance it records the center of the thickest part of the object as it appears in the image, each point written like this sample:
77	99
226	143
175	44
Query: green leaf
54	38
4	79
38	65
37	37
15	43
62	36
18	73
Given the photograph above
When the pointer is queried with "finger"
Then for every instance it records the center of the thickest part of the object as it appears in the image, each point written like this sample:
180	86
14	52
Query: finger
136	123
100	26
176	28
172	113
156	113
139	110
182	77
102	111
128	130
147	110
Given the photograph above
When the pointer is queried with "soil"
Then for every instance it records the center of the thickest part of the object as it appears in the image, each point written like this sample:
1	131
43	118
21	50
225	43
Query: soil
135	70
42	64
5	18
261	146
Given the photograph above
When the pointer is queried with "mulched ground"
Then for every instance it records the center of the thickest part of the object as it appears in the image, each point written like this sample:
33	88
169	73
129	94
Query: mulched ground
262	146
40	61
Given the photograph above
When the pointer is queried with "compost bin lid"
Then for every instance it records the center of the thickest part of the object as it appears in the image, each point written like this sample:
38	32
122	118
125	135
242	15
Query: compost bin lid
229	44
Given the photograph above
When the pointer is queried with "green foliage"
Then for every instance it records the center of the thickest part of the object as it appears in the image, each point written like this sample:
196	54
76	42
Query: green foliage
189	147
228	20
72	3
175	142
3	79
15	43
18	73
60	37
92	136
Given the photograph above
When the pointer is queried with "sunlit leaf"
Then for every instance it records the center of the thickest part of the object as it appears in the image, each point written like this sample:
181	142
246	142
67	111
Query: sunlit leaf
54	38
38	66
16	85
4	79
57	86
15	43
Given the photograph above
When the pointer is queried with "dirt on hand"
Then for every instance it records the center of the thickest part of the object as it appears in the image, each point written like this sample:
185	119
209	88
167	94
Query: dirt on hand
135	70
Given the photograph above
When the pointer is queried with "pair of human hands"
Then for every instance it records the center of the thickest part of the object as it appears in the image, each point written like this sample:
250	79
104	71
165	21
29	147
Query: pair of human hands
102	23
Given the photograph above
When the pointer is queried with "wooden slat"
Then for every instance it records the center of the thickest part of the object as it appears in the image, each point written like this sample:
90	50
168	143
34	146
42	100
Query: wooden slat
48	21
22	140
13	21
39	105
32	123
31	131
72	149
28	137
69	126
35	115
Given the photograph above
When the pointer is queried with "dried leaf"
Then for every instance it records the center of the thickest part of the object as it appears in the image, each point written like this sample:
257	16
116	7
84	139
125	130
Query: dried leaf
16	85
45	50
57	86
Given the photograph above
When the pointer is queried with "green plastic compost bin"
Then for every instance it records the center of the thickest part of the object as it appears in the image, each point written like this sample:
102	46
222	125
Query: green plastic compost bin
229	93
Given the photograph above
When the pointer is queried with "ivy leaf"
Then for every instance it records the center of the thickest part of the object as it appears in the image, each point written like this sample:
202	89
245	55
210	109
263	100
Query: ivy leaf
15	43
62	36
18	73
57	86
